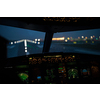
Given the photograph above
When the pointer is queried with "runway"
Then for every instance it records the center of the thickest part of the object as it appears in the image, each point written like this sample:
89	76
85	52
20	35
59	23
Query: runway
18	49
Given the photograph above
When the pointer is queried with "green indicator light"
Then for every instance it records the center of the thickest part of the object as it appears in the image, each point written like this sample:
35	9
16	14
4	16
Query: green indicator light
50	83
36	48
60	68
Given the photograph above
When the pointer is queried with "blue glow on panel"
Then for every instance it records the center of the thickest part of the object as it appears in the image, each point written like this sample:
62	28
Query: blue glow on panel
38	77
62	71
84	70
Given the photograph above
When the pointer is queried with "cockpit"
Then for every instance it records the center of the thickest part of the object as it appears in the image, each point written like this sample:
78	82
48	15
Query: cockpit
50	50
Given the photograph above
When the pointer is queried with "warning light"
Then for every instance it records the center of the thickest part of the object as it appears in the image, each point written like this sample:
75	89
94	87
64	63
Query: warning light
30	58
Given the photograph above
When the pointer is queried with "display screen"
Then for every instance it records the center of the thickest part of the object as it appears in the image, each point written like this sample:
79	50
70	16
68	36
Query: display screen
23	76
85	72
73	74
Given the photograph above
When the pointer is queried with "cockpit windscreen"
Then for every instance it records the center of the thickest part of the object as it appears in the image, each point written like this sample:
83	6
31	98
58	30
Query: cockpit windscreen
22	41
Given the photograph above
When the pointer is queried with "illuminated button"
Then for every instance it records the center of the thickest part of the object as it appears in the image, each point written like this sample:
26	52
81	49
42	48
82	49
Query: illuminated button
73	56
38	77
30	58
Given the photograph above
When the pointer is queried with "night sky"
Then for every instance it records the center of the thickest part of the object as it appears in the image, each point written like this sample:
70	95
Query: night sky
13	33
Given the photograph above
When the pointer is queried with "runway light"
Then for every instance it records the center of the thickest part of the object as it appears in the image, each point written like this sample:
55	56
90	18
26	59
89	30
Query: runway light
62	38
91	37
38	39
78	37
25	43
25	50
35	39
96	38
86	37
68	38
74	42
82	37
15	42
35	42
25	47
38	42
11	42
65	40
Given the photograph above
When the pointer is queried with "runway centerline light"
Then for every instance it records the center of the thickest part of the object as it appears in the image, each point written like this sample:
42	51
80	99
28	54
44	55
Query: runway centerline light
25	47
25	50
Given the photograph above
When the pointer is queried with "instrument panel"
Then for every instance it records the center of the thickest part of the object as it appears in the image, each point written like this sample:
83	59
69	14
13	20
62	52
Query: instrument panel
57	69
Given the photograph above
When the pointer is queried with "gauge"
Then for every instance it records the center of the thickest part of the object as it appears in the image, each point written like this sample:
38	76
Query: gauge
84	72
23	77
95	71
73	73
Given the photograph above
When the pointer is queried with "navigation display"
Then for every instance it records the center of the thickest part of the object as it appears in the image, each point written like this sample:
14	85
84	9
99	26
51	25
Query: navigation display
73	74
